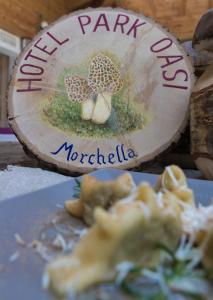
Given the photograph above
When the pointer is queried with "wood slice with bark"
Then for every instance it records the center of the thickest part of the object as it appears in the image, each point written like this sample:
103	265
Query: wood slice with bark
202	43
203	35
200	59
202	123
100	88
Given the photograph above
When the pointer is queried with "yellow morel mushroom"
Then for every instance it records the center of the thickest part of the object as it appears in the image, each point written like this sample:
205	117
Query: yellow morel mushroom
79	91
104	79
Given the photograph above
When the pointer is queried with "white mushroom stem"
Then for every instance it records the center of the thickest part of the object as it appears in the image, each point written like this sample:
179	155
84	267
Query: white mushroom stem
102	108
87	108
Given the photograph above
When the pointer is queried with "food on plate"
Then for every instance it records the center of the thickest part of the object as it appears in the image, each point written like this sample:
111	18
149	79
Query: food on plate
174	180
129	231
94	192
171	178
208	250
159	233
196	221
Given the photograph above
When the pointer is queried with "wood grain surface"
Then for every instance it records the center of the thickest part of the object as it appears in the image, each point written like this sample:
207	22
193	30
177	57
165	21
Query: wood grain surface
4	69
202	123
23	17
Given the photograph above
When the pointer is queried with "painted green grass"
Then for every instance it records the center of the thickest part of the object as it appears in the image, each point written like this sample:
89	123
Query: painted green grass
66	115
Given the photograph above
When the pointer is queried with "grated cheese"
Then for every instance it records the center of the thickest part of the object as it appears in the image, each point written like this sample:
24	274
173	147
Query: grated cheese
159	199
123	269
146	210
195	219
60	242
172	176
45	281
14	256
40	249
65	263
130	198
80	232
19	239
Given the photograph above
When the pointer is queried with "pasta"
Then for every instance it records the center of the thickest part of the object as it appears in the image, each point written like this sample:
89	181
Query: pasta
174	180
127	223
171	179
129	231
208	249
99	193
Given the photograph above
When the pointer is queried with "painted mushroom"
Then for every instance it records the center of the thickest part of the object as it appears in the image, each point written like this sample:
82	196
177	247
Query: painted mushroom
79	91
104	79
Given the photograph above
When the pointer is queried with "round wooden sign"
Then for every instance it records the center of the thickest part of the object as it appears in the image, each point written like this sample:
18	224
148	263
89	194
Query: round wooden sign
100	88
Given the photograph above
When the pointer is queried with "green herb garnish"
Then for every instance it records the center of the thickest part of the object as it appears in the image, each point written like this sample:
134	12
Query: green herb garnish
77	188
179	275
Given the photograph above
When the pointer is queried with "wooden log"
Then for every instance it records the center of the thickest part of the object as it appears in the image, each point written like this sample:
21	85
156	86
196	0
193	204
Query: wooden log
184	161
4	70
202	42
12	153
202	123
199	59
203	35
135	74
